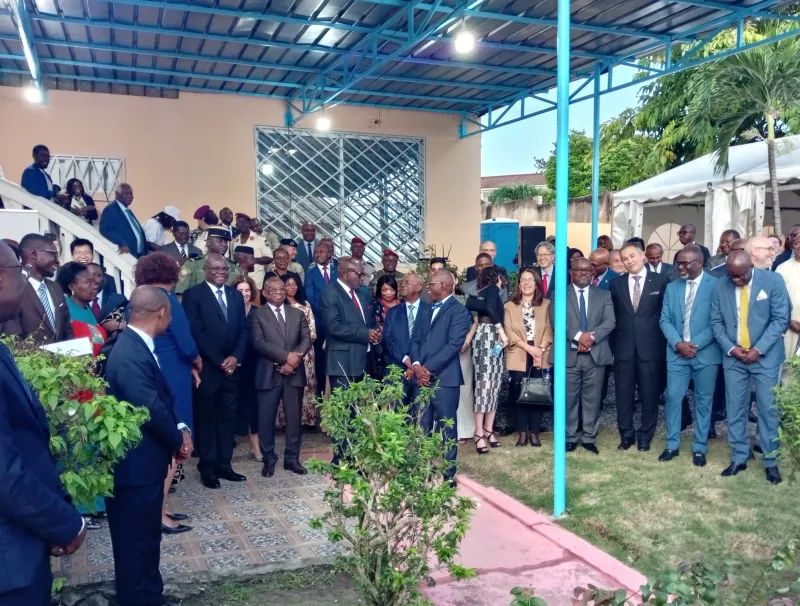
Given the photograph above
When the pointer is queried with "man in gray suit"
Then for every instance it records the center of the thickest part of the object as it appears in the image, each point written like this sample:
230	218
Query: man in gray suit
281	339
180	249
590	321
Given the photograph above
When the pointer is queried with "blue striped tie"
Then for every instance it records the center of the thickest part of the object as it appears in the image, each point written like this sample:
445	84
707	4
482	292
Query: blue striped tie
46	304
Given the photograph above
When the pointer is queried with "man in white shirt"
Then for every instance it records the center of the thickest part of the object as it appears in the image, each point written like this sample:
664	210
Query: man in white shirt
655	254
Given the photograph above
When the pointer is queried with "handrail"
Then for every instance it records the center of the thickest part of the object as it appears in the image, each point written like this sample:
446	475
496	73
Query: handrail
69	226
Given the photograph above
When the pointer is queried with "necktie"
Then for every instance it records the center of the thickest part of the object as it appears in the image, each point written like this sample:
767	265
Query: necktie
744	308
222	305
582	308
410	319
637	292
355	301
183	251
96	308
137	230
310	254
281	321
596	281
545	282
435	307
6	353
326	275
687	313
48	311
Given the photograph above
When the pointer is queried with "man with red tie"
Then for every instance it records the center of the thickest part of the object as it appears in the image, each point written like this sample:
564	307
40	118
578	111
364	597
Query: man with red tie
545	256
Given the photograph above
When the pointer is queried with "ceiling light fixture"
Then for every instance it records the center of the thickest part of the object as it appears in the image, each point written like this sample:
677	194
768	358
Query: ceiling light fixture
465	40
34	94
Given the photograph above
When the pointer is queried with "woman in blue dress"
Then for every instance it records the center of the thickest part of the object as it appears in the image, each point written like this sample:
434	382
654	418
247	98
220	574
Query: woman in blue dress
178	358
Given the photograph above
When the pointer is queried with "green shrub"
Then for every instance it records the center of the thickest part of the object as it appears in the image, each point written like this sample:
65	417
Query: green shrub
519	191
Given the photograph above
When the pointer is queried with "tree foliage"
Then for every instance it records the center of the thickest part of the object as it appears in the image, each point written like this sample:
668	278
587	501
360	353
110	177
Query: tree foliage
518	191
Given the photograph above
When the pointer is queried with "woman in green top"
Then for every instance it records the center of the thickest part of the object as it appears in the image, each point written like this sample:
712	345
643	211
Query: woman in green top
80	289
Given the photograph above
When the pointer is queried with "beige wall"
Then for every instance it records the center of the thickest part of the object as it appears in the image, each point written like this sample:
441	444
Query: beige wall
199	149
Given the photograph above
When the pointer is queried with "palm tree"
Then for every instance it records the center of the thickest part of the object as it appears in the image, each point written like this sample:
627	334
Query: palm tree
761	85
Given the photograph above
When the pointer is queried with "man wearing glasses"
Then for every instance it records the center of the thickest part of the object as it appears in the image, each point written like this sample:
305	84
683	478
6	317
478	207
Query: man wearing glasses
193	271
761	252
545	256
687	235
43	315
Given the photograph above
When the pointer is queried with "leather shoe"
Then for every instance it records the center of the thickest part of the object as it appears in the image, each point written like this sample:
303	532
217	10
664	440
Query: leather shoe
733	469
699	459
295	467
668	455
231	476
177	517
591	448
176	530
210	481
643	446
269	468
571	446
757	448
773	475
625	444
712	433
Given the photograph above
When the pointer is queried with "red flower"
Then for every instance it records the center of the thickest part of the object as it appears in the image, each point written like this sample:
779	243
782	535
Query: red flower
84	396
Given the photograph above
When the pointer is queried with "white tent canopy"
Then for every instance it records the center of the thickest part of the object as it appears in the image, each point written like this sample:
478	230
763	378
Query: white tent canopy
734	200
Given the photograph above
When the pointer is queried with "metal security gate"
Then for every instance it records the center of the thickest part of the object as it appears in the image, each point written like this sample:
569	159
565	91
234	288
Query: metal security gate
347	184
98	175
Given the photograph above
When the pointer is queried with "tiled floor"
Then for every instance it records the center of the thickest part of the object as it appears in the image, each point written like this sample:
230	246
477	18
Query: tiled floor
261	521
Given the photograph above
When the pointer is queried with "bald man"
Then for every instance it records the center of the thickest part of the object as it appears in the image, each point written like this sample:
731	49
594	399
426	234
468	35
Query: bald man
749	314
687	234
761	252
603	274
655	254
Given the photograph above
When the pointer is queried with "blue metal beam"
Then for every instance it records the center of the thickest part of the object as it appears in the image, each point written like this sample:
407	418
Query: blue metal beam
21	19
596	155
748	11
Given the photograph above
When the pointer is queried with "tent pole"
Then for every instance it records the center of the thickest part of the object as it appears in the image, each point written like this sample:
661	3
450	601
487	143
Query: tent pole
562	215
596	157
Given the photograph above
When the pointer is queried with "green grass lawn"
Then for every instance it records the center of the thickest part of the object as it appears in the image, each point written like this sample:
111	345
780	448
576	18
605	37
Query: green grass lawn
652	515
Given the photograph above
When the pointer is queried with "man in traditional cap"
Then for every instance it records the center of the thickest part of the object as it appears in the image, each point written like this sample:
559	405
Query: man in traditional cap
192	272
389	261
205	218
244	256
290	246
357	249
262	253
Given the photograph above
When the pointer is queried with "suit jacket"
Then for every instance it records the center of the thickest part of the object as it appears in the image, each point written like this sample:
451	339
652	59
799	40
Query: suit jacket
767	319
315	284
31	322
134	376
781	258
34	182
666	269
396	340
705	251
110	303
700	331
515	331
600	319
217	337
551	286
109	285
347	331
605	283
472	273
639	332
273	345
33	511
172	250
302	253
471	288
437	345
115	227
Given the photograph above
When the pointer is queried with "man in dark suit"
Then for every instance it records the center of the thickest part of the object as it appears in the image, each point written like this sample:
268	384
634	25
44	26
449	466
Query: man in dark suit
120	225
639	347
43	315
37	181
134	513
219	327
281	339
687	235
603	275
724	248
306	252
180	249
590	321
400	324
435	351
545	257
318	277
750	311
655	254
35	518
787	252
104	303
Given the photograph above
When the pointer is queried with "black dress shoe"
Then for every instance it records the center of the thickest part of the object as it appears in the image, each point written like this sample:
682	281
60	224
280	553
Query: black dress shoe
668	455
643	446
733	469
231	476
757	448
177	517
177	530
571	446
591	448
452	482
699	459
210	481
712	433
269	468
625	444
295	467
773	475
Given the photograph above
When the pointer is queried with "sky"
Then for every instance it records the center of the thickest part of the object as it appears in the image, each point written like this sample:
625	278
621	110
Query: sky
512	149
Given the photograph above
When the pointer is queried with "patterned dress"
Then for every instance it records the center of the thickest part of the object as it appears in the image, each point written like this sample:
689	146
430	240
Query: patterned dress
488	368
308	411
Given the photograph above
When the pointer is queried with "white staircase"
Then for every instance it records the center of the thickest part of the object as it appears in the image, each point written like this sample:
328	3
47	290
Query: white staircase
54	219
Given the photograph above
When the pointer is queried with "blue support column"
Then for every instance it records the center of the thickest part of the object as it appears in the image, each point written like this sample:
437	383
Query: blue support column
596	156
562	215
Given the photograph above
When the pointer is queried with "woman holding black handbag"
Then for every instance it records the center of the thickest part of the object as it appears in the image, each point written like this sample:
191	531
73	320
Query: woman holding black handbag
530	337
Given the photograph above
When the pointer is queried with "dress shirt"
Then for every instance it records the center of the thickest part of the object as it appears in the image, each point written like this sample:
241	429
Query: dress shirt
214	290
36	284
441	304
738	315
275	311
409	307
137	231
632	282
658	267
548	271
154	232
586	299
183	249
596	281
305	246
347	289
49	180
696	281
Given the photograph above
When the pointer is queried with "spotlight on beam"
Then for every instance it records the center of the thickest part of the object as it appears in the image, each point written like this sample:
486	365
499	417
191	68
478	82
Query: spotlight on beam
464	42
323	123
34	95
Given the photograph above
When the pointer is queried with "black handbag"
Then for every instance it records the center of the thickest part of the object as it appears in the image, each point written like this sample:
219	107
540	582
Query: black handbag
535	390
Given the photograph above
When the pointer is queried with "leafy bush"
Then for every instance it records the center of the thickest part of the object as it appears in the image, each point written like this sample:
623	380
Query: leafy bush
387	502
519	191
89	430
788	401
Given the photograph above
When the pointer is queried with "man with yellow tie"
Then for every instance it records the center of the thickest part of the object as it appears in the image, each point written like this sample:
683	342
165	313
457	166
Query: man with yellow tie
749	314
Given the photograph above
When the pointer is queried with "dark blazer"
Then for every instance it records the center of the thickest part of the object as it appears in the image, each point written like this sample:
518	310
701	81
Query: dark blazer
666	269
110	303
302	253
639	331
347	331
551	287
472	273
604	284
437	346
114	226
706	255
109	286
781	258
315	285
396	340
216	337
171	249
134	376
273	346
34	182
601	320
30	318
33	511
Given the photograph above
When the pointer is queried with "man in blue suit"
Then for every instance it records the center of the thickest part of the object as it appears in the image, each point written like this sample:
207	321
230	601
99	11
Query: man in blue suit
134	513
120	225
435	350
306	252
749	314
603	275
37	181
692	351
317	280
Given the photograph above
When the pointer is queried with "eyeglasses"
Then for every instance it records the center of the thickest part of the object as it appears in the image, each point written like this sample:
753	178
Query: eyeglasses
359	274
46	250
584	270
686	263
527	281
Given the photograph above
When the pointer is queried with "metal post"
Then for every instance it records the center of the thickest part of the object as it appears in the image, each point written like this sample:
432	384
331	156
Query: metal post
342	238
596	157
562	215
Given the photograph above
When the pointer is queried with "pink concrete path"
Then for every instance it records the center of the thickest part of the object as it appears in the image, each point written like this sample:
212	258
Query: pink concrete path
511	545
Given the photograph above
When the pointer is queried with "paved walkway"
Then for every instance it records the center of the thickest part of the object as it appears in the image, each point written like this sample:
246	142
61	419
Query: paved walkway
262	524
